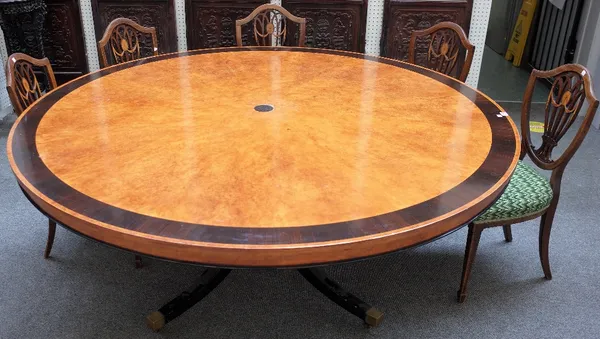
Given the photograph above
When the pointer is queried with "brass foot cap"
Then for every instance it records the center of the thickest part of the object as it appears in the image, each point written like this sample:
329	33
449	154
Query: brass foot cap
155	321
373	317
461	297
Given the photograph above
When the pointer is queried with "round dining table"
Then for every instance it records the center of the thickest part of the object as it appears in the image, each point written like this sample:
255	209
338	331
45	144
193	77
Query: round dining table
269	157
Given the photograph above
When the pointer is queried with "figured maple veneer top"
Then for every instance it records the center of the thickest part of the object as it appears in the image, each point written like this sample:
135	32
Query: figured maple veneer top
180	139
257	146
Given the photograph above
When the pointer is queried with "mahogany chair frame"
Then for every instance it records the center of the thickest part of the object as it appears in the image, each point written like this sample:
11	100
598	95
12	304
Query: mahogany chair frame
451	63
109	34
265	40
562	107
14	80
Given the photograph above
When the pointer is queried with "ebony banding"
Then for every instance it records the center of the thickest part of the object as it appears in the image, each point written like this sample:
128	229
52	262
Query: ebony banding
488	181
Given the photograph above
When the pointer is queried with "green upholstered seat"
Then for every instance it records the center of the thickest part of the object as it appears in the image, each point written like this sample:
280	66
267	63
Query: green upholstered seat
528	193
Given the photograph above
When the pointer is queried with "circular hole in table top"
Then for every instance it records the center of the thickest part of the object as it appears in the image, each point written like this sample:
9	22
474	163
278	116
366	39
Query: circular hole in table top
264	108
179	139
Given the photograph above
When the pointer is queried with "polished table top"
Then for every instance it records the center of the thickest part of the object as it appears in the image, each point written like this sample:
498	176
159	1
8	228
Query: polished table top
262	157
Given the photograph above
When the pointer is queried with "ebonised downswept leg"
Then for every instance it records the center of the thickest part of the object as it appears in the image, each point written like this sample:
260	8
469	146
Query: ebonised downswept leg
316	276
50	241
210	279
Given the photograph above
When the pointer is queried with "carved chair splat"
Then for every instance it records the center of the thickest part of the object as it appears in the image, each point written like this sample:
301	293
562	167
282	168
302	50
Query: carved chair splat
448	43
270	26
122	39
22	84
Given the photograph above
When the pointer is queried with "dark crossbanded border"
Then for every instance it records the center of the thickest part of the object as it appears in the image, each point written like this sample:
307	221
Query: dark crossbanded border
496	168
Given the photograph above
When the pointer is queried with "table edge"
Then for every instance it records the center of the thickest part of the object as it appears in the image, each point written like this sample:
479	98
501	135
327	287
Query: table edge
316	252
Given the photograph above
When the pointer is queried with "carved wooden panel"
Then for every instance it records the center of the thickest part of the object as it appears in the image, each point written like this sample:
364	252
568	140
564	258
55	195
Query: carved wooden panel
150	13
22	23
211	23
402	17
334	24
63	39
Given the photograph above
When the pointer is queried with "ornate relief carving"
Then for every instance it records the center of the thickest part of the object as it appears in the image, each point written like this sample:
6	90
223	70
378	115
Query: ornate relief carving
402	17
147	15
157	14
22	24
63	39
328	28
404	23
215	27
330	24
59	42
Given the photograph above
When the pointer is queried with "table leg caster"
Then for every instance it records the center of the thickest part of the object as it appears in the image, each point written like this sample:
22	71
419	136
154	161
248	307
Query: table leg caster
155	321
373	317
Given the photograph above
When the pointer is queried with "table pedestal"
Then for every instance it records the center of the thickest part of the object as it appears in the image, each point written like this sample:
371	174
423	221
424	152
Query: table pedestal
212	277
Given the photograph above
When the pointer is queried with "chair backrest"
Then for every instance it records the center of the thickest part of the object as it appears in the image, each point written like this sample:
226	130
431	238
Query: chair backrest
571	87
270	26
448	43
21	83
125	39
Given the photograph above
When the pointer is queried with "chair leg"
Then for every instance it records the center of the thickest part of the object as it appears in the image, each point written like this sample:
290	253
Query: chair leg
138	261
545	228
507	233
50	241
470	252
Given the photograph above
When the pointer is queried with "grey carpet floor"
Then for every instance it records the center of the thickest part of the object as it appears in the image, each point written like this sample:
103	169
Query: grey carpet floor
88	290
